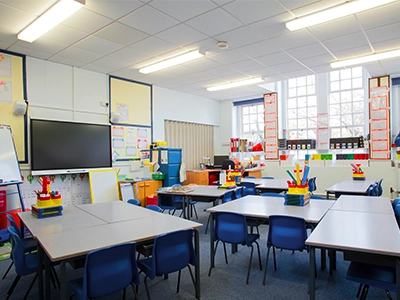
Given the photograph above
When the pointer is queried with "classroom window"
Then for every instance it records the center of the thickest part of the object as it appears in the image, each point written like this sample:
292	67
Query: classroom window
252	127
301	108
346	103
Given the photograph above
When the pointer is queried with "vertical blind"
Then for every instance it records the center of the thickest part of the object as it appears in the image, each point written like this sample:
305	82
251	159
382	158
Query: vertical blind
195	140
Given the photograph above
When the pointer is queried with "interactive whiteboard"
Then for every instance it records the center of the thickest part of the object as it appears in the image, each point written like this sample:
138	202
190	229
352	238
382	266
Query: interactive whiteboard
103	185
9	167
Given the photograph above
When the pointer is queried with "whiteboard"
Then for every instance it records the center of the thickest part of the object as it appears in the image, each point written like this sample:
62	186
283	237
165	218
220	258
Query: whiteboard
9	167
103	185
126	191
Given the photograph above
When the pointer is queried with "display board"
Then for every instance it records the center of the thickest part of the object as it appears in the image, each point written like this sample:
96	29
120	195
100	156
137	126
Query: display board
103	185
12	89
379	120
9	167
271	125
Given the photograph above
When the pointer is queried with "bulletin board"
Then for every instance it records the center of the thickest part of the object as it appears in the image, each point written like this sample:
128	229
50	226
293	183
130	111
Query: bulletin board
128	141
379	120
103	185
271	125
12	89
132	100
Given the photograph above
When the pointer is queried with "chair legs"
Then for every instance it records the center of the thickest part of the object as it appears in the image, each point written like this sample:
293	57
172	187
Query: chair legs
208	222
251	258
266	265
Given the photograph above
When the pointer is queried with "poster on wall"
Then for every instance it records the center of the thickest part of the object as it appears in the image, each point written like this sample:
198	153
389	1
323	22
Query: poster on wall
127	141
271	126
5	65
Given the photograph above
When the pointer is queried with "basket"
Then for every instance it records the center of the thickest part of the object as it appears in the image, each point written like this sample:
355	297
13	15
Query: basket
156	176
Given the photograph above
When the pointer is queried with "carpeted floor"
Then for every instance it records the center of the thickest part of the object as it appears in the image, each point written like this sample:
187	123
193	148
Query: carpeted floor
227	281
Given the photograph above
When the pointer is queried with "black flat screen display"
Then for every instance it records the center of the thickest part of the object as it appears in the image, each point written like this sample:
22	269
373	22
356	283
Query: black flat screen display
60	146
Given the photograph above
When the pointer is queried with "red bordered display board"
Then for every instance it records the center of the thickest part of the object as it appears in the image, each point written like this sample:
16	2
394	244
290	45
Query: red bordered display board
379	117
271	126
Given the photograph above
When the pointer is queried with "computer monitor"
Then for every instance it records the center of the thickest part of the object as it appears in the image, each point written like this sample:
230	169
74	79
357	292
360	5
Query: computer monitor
218	159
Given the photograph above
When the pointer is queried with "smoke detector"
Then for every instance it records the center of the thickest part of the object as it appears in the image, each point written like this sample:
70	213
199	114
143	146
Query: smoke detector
222	45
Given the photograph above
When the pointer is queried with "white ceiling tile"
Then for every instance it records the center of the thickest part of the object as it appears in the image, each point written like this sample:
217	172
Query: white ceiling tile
259	49
296	4
353	52
79	54
246	65
240	37
183	10
65	34
7	34
312	6
293	39
66	61
99	45
214	22
87	21
202	64
126	73
384	33
110	63
153	46
272	27
387	45
317	60
252	11
381	16
113	33
14	18
334	29
148	20
111	9
29	51
130	55
274	59
346	42
44	45
229	57
95	68
289	67
181	35
307	51
36	7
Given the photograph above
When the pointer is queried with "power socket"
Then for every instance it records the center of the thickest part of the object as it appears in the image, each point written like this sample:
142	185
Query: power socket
103	103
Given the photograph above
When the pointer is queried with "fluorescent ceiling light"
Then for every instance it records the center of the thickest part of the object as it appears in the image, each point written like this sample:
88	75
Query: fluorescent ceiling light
51	18
235	84
365	59
177	60
334	13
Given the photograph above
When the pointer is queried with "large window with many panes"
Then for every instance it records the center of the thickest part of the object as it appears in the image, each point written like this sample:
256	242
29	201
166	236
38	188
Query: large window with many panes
252	122
346	103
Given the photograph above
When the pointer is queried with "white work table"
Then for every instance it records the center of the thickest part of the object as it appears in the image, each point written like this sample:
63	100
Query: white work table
350	187
265	185
363	204
360	232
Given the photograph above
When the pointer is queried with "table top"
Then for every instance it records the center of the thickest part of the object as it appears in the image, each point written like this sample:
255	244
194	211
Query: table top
280	183
115	211
351	186
363	204
73	243
71	218
357	231
263	207
210	191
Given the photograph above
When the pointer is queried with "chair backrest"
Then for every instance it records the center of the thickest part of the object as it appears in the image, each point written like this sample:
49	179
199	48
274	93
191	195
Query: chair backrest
230	227
379	187
228	196
172	252
18	254
397	213
373	190
134	202
312	184
238	192
110	269
249	188
250	177
154	207
269	194
228	164
12	222
177	199
287	232
316	197
395	202
267	177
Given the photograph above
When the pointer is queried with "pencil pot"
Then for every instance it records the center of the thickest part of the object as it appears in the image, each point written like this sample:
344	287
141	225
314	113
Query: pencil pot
297	199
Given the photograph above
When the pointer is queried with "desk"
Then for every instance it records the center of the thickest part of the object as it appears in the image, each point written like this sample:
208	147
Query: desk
361	232
269	185
350	187
263	207
57	245
115	211
368	204
203	193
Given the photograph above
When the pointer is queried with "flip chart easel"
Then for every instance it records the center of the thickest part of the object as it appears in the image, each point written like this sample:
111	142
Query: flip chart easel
9	168
103	185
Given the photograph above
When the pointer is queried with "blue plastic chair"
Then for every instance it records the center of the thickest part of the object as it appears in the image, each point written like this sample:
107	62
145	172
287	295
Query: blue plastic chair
238	193
171	252
179	199
316	197
379	187
249	188
231	228
134	202
395	202
24	263
372	275
312	184
28	243
250	177
269	194
397	213
227	197
106	271
155	208
267	177
287	233
167	202
373	190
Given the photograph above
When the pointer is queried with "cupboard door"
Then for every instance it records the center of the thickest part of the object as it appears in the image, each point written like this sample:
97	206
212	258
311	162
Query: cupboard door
139	189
